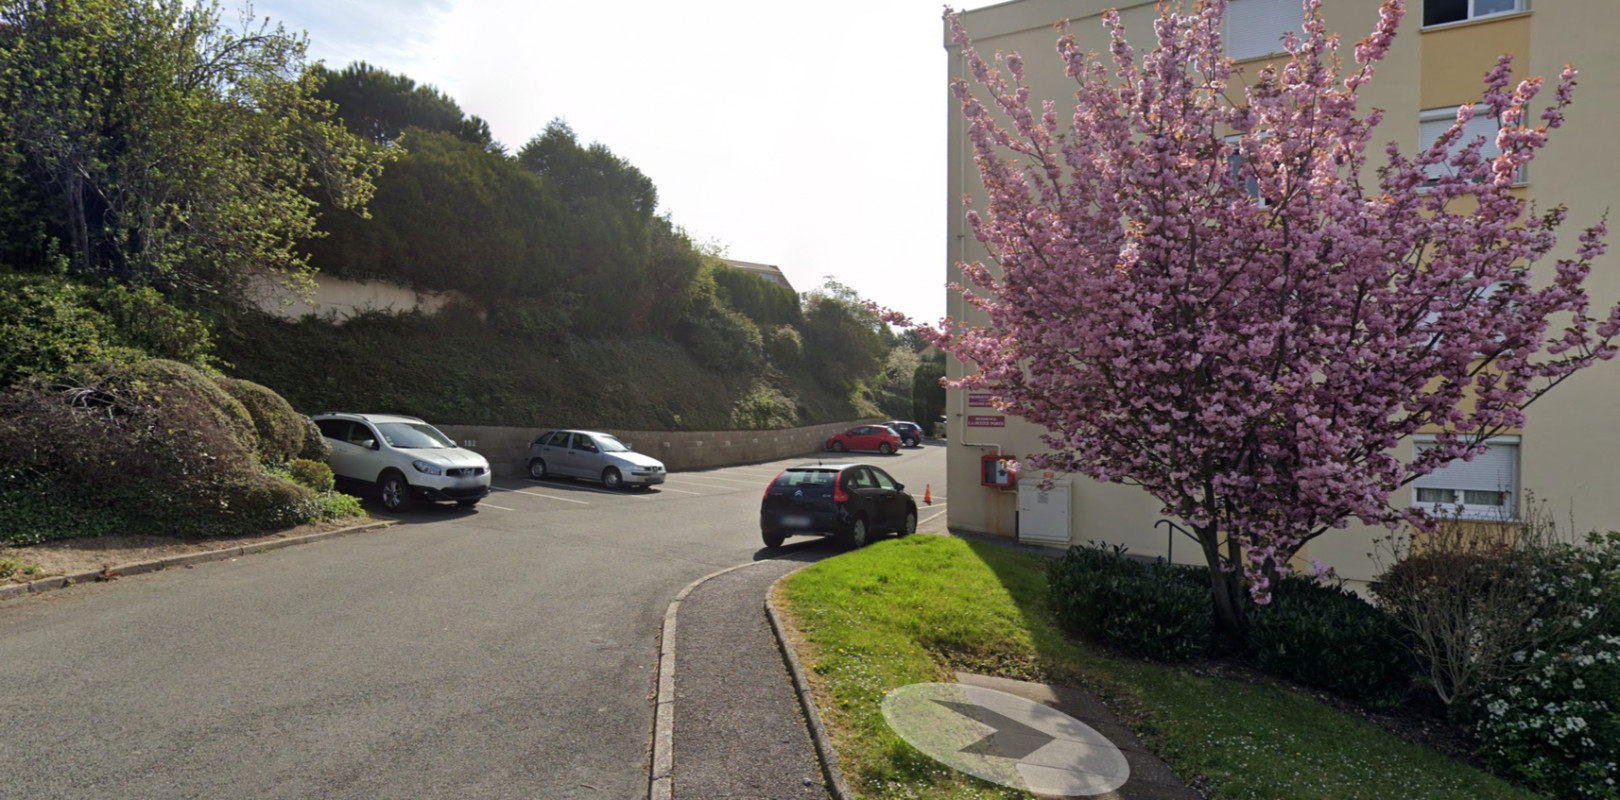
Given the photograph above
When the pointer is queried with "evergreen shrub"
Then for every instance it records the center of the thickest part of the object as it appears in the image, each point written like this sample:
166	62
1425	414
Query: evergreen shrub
1155	610
1327	637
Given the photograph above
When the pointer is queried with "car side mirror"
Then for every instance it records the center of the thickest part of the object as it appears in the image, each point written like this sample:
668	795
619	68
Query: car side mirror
900	487
369	444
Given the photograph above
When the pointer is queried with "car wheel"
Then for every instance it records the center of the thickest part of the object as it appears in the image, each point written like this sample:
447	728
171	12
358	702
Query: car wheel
837	447
884	448
913	442
394	492
910	525
537	469
772	540
466	503
612	479
857	536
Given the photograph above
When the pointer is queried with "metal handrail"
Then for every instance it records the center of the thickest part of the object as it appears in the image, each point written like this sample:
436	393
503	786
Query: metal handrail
1170	542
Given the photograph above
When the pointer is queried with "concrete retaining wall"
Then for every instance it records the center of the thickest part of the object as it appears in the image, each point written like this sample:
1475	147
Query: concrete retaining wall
508	448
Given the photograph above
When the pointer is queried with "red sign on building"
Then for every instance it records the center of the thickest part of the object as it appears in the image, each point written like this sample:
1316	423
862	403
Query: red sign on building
979	399
987	422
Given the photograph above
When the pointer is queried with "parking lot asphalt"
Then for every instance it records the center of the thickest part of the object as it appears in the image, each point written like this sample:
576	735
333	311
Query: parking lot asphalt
509	651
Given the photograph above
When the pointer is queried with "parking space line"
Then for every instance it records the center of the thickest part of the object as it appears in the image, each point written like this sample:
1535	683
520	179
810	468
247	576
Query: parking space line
666	488
492	505
690	476
934	517
537	494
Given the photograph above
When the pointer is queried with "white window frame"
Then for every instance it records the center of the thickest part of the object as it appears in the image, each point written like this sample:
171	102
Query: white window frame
1243	18
1458	507
1482	124
1519	7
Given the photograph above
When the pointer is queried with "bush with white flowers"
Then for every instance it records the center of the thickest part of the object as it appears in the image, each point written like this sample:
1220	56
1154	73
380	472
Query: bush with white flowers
1555	726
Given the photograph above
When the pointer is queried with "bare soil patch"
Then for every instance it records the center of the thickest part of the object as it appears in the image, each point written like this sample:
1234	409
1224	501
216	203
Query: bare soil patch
74	556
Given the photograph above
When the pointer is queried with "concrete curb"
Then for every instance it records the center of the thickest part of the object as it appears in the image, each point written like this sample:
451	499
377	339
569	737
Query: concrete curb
139	567
660	781
807	700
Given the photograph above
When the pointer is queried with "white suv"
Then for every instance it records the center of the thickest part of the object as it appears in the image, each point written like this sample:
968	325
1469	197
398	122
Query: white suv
404	458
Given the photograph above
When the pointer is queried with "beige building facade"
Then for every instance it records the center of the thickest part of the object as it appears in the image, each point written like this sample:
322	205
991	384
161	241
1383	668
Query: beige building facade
1568	453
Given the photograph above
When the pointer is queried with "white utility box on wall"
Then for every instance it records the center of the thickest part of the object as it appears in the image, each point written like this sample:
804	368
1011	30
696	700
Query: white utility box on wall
1043	516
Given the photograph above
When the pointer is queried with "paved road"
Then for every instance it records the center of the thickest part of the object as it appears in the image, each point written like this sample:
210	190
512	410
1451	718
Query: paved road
506	652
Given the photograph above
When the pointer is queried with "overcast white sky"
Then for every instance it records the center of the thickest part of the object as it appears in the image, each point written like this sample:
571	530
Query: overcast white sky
810	136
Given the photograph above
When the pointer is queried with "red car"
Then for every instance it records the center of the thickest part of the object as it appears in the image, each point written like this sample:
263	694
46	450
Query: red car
881	438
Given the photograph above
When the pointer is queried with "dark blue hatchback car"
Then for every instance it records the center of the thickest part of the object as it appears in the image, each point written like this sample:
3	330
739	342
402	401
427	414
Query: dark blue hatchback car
850	501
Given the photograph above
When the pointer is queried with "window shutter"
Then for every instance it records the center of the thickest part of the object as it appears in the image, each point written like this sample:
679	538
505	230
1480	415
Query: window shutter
1255	27
1434	123
1496	469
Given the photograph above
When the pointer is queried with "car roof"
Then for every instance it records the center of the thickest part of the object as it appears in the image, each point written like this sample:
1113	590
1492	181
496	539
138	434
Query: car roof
823	466
577	430
366	417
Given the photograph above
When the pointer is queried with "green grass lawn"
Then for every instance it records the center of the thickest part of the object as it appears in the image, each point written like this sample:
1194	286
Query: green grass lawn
917	609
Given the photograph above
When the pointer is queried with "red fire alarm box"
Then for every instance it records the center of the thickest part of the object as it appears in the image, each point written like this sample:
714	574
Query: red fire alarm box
998	471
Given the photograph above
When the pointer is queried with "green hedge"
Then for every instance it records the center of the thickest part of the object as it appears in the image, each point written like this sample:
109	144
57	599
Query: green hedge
1327	637
1149	608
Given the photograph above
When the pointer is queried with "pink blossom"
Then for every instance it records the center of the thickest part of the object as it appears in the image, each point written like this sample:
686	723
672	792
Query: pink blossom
1253	366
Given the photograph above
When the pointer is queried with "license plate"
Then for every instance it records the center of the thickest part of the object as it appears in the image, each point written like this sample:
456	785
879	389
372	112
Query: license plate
795	521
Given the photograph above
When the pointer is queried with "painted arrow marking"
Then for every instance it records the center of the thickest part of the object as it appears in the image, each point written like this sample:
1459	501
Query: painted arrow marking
1010	739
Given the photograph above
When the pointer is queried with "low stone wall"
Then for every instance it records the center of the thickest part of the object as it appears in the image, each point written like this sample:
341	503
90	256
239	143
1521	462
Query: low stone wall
508	448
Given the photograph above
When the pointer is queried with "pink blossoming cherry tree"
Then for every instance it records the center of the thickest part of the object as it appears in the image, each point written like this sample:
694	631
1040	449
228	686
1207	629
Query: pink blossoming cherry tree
1203	288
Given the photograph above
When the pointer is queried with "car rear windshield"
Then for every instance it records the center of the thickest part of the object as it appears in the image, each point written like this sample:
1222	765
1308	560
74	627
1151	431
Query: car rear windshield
413	436
807	478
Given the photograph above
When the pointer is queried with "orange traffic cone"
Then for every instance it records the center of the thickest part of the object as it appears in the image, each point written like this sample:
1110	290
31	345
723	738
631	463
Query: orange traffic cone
928	494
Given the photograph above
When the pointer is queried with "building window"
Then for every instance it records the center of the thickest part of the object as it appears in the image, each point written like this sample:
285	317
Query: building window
1436	121
1235	162
1440	12
1255	28
1484	488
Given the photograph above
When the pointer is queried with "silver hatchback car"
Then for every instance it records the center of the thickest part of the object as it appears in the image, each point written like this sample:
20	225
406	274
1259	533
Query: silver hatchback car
592	455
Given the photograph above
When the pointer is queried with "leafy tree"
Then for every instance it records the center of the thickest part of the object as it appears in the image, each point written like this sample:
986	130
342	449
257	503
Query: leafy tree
167	149
1253	365
451	215
844	340
612	241
928	394
381	106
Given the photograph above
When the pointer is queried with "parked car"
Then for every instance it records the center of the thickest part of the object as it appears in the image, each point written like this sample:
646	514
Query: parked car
404	458
881	438
593	455
911	434
850	501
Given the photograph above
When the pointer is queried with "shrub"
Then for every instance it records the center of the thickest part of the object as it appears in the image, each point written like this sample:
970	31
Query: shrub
149	447
1556	724
1464	595
49	324
1329	638
313	474
1159	611
314	446
764	408
1557	729
784	347
726	342
280	430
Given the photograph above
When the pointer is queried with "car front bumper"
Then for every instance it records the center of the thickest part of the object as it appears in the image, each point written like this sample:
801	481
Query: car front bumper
652	479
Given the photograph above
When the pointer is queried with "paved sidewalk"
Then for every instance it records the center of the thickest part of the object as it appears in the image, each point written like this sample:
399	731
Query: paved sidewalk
738	728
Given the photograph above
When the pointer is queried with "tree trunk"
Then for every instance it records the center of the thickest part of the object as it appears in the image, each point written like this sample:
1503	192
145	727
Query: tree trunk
1227	590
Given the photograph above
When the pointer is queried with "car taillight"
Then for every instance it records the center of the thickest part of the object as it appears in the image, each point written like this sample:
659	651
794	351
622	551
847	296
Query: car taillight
839	495
772	483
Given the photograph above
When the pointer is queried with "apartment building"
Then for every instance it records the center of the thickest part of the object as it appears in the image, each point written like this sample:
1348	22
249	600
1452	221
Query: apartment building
1567	454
